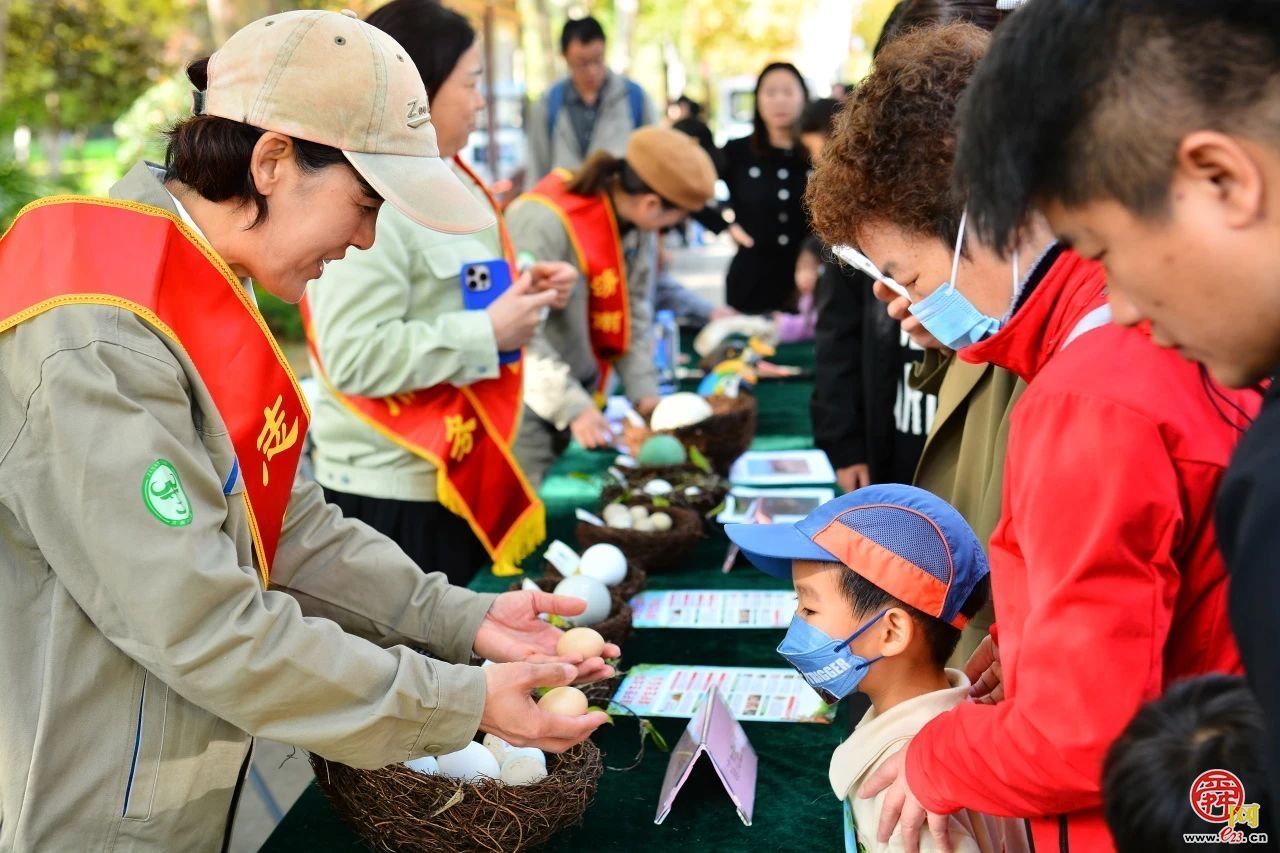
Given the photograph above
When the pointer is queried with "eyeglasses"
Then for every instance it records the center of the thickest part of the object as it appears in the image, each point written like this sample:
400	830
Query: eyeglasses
862	263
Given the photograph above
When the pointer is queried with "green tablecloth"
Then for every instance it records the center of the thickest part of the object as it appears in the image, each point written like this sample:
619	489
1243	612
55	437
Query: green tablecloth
794	808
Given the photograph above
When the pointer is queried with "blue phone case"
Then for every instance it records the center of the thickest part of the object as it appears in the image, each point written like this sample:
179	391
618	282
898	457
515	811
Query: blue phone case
482	282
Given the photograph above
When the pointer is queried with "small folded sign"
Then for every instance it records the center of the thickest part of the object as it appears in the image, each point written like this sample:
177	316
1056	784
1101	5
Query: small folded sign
713	731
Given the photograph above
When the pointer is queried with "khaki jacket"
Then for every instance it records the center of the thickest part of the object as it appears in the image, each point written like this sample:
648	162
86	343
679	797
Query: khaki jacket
875	739
963	457
559	148
388	321
560	367
139	659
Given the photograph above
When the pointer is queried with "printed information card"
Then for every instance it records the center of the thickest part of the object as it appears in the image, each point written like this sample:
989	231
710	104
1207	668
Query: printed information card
713	608
752	694
715	733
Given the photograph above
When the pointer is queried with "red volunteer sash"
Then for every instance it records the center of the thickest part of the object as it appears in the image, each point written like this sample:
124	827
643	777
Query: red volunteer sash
67	250
466	433
593	231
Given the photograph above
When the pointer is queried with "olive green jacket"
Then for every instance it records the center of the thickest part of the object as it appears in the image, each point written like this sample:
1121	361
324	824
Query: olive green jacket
963	457
139	658
387	321
560	366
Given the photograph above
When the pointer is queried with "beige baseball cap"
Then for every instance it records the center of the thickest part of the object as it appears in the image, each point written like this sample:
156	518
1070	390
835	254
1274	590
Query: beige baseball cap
330	78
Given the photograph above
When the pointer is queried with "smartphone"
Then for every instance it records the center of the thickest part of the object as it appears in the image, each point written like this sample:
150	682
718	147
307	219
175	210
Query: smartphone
482	282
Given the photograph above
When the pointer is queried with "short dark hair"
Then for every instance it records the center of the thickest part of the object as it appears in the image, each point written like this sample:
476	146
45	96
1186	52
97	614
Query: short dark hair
759	132
434	37
890	157
1207	723
910	14
602	171
941	637
582	30
1078	102
819	116
695	108
211	155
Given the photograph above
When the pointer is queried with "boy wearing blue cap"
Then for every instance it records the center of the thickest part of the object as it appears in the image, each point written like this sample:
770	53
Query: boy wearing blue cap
885	578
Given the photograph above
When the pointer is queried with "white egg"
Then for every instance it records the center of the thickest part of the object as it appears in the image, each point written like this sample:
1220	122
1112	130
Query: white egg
426	765
497	747
639	513
568	701
593	592
657	488
693	491
471	764
644	525
615	511
679	410
619	521
604	562
660	521
526	753
523	771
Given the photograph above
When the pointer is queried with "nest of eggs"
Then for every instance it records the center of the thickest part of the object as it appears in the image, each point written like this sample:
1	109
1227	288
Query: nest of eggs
395	808
616	628
635	580
690	488
653	551
722	438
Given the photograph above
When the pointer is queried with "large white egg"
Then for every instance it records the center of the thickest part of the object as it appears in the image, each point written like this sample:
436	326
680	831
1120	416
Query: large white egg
604	562
526	753
523	770
679	410
426	765
657	488
471	764
590	590
497	747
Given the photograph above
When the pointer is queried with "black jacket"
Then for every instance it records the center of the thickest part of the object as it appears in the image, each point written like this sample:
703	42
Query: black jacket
1248	522
863	409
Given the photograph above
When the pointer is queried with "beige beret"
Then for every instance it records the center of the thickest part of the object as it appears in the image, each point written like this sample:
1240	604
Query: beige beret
674	166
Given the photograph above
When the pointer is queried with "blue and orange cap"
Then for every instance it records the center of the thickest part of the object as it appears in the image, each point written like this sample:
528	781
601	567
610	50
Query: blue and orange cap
908	542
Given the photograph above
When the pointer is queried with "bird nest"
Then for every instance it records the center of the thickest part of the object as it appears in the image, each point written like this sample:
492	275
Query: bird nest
634	581
398	809
708	489
616	627
655	551
722	438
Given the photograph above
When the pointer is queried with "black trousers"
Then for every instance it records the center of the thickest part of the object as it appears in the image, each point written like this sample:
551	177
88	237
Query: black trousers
434	538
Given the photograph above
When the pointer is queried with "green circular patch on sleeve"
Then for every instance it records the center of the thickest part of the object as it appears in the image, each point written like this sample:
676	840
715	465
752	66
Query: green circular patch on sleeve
163	495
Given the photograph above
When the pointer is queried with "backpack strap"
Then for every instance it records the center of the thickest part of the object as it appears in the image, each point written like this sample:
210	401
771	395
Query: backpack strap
636	96
555	101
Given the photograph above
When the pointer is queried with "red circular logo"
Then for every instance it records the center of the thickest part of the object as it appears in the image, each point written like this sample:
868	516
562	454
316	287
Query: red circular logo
1216	795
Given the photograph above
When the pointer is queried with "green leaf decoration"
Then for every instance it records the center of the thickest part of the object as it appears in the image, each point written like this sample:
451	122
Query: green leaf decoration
559	621
699	460
661	502
715	510
591	708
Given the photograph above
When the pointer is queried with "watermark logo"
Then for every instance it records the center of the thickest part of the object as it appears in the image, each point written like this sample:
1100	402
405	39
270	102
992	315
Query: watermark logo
1218	796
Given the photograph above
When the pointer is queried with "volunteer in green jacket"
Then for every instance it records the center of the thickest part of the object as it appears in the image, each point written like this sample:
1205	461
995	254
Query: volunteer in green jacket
389	324
161	574
598	219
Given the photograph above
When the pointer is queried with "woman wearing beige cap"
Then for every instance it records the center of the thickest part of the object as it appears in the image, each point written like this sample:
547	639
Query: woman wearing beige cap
160	573
596	220
398	322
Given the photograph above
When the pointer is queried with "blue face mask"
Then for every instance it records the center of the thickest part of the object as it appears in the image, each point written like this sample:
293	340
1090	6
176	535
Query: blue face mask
949	316
825	662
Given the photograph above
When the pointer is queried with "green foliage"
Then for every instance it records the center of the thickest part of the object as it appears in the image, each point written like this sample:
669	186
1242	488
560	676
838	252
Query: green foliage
17	188
140	131
80	63
282	318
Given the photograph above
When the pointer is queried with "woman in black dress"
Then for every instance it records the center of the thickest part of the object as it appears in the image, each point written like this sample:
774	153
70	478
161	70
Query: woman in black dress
766	174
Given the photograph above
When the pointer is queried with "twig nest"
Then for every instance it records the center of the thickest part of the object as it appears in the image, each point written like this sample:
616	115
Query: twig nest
470	764
582	641
593	592
644	525
661	521
679	410
604	562
566	701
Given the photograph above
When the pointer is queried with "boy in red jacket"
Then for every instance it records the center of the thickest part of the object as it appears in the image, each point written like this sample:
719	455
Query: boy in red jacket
1107	582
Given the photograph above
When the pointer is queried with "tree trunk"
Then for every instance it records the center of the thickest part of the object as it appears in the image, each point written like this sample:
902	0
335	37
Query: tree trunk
543	15
4	29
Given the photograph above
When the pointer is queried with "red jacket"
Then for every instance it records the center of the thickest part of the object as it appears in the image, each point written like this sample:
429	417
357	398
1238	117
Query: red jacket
1105	571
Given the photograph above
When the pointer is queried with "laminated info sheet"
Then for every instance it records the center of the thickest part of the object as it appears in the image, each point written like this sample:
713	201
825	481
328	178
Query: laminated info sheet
713	608
752	694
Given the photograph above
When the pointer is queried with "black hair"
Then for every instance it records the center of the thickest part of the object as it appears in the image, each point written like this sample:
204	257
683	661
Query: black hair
759	132
211	155
1078	102
941	637
819	116
434	37
582	30
813	246
1207	723
695	108
603	171
910	14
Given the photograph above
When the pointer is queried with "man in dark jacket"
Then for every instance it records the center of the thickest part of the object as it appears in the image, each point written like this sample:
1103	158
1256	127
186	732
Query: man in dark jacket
1174	189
